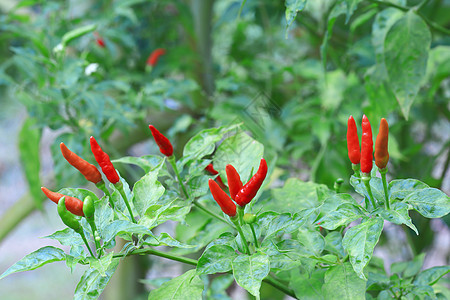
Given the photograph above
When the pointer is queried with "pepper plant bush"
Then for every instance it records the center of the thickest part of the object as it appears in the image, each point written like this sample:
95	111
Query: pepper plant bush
309	241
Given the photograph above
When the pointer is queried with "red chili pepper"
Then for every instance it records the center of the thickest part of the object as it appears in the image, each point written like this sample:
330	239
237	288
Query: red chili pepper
234	181
212	171
381	145
249	190
163	143
353	141
88	170
104	162
154	56
366	146
74	205
99	40
224	201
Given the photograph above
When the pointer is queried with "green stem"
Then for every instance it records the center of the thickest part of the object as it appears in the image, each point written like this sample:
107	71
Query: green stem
213	214
241	211
101	186
81	233
119	187
356	169
366	180
280	286
241	233
94	230
385	187
254	235
182	259
173	163
241	8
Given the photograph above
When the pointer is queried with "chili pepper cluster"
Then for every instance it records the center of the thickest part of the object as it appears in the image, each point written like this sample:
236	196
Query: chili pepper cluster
241	194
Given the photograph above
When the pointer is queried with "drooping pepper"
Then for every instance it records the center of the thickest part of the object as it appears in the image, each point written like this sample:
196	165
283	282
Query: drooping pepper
104	162
249	190
224	201
67	217
354	153
88	170
381	145
366	146
212	171
74	205
163	143
234	181
153	58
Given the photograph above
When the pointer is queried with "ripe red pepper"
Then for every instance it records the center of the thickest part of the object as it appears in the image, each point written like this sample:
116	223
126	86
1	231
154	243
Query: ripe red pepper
88	170
249	190
99	40
104	162
381	145
74	205
224	201
163	143
366	146
353	141
234	181
152	60
212	171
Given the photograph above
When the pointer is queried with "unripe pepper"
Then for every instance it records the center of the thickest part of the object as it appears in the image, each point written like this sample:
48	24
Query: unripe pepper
381	145
104	162
366	146
88	207
249	218
353	141
67	217
212	171
74	205
153	58
224	201
249	190
163	143
88	170
234	181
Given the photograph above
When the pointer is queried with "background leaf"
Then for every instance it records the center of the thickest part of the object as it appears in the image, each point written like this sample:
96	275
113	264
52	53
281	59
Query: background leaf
185	287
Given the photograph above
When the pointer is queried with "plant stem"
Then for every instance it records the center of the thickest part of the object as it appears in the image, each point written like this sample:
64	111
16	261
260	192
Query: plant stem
240	211
240	9
241	233
356	169
213	214
254	235
81	233
366	180
94	230
173	163
182	259
383	178
280	286
101	186
119	187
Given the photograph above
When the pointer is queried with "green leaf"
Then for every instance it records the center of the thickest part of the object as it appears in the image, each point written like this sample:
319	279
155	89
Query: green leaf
146	162
381	25
76	33
405	55
271	223
376	186
343	215
203	143
92	283
68	237
297	195
123	227
147	191
29	138
339	8
249	271
360	240
401	188
307	288
311	240
185	287
431	276
240	150
36	260
341	282
397	214
216	259
333	243
429	202
351	7
292	8
408	268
